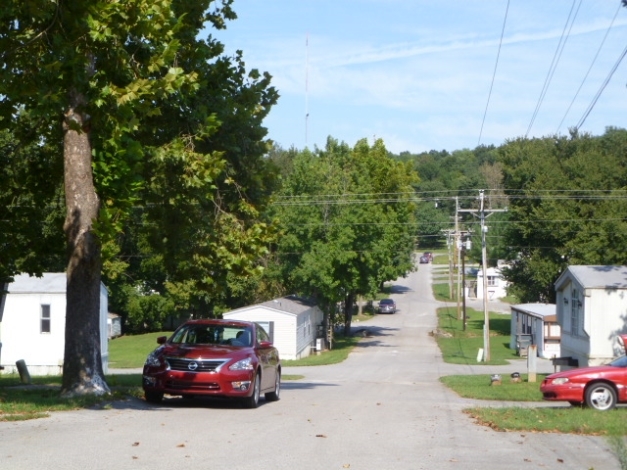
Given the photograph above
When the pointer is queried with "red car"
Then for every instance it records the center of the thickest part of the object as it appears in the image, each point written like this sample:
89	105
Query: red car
214	358
599	387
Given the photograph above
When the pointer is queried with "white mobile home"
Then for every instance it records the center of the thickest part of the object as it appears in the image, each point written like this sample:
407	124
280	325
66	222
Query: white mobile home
537	323
291	322
592	311
496	284
32	324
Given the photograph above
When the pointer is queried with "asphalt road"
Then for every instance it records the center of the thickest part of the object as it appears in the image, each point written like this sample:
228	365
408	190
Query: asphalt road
383	408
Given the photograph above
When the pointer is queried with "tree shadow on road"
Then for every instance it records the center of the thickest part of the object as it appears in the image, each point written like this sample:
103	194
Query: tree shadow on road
372	336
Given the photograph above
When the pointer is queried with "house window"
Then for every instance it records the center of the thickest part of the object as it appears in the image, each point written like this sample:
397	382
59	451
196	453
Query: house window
492	281
45	318
574	313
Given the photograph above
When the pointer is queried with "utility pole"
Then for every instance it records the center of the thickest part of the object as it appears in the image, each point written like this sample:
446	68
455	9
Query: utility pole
484	267
458	252
484	264
465	246
450	266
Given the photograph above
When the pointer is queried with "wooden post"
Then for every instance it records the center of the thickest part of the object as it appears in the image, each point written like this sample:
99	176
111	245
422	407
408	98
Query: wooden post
532	363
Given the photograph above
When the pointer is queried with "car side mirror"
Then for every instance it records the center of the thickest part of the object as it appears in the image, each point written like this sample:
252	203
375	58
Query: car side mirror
265	344
162	339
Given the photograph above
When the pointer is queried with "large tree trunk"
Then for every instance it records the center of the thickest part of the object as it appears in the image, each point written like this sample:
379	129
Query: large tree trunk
82	364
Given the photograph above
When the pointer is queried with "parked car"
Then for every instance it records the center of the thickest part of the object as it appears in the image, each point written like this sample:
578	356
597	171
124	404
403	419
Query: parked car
387	306
424	259
429	256
599	387
214	358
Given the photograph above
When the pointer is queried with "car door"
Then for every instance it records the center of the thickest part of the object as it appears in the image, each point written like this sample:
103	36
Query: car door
268	358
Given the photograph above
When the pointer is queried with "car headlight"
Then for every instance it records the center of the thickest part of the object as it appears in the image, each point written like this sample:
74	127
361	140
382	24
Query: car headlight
152	360
244	364
559	381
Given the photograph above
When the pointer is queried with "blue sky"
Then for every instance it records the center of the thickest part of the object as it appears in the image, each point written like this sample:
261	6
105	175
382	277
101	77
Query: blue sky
418	73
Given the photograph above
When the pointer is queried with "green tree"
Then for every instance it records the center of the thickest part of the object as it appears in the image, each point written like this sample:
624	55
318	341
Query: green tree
31	207
567	206
348	223
101	78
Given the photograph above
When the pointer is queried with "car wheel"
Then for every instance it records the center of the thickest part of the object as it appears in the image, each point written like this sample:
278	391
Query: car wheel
253	400
600	396
153	397
276	394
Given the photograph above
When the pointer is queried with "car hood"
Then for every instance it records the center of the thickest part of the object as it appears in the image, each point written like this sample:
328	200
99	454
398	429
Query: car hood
195	352
586	371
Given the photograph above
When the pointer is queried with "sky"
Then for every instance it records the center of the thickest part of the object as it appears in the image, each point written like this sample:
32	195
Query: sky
434	75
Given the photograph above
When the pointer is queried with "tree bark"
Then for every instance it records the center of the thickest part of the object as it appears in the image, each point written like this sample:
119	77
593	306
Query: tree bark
82	364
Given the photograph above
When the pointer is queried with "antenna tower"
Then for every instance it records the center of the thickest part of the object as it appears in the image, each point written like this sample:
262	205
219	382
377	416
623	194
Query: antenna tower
307	90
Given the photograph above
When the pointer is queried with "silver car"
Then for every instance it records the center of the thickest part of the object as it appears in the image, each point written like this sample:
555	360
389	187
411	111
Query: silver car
387	306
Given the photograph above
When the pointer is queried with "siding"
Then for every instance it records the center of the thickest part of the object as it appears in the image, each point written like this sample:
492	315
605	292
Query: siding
539	319
20	327
295	324
284	326
602	315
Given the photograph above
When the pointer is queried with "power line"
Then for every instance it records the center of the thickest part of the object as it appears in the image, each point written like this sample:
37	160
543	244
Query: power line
494	72
598	95
590	68
554	62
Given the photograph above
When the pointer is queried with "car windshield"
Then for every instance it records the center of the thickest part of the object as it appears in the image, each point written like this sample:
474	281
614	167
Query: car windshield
620	362
212	334
386	302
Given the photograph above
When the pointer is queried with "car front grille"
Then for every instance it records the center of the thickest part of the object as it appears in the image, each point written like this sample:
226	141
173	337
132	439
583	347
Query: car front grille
192	386
194	365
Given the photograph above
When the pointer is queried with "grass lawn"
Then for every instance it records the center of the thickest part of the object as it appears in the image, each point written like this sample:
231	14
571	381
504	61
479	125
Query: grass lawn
341	349
461	347
129	352
568	420
480	387
20	402
42	396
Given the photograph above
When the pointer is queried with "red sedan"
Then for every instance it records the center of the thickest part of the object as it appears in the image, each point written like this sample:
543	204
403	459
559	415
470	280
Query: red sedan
600	387
219	358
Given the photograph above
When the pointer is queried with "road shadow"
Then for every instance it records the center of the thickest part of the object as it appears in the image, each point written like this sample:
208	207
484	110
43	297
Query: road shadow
300	385
398	289
372	336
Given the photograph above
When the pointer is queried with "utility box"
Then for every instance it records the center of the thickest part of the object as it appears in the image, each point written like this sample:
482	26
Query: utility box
522	344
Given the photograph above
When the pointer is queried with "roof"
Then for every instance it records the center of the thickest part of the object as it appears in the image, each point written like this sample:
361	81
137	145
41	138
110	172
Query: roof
290	304
49	283
490	272
545	311
596	277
